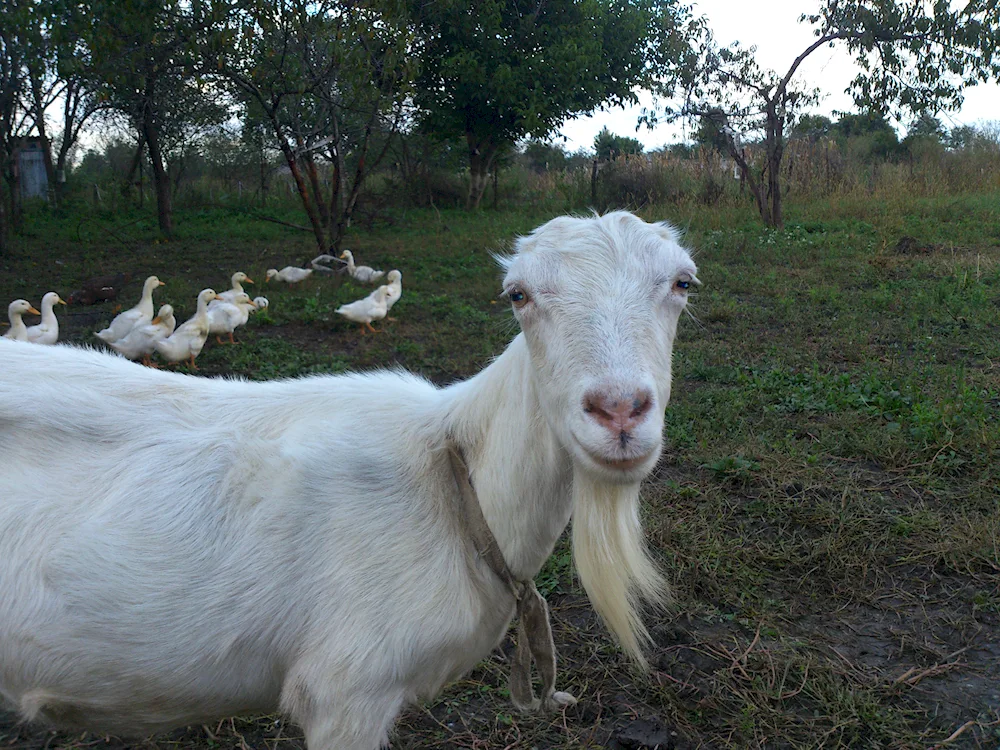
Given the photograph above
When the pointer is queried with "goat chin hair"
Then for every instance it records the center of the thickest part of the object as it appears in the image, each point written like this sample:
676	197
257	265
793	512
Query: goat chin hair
611	557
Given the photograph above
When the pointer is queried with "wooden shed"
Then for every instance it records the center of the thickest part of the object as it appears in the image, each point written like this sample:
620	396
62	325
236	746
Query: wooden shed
29	161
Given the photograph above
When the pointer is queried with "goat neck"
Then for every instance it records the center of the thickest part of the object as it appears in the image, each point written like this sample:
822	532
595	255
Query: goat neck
521	474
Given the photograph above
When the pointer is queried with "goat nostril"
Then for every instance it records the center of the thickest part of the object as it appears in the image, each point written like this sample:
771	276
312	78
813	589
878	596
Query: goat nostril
596	408
640	405
606	409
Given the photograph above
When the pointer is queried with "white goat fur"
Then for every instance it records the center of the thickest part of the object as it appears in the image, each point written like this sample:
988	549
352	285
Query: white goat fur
176	549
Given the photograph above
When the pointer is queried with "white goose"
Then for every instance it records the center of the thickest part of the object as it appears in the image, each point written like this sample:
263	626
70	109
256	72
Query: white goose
395	279
141	340
238	280
364	311
126	321
288	274
225	316
364	274
18	331
46	332
322	263
188	340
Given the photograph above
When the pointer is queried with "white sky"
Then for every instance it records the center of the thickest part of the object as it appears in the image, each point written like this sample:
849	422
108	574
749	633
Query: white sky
773	27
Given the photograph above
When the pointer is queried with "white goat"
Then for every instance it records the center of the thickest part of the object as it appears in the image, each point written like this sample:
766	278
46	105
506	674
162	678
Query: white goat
160	566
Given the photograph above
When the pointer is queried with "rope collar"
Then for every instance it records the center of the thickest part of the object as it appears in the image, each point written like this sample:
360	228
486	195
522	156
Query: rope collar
534	631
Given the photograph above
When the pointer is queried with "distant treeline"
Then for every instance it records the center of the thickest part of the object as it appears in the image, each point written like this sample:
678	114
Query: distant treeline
824	157
362	103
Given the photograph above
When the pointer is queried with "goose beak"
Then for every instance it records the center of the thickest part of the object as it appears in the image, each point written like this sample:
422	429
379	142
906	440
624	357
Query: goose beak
248	281
218	297
162	283
61	301
33	311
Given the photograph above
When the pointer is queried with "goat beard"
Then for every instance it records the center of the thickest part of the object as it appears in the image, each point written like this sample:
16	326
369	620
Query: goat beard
613	562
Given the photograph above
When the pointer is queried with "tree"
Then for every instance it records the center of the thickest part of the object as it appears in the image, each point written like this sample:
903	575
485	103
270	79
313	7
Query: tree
70	66
609	146
711	131
927	127
11	92
39	62
914	56
543	156
961	137
330	78
143	60
497	71
17	44
812	127
868	133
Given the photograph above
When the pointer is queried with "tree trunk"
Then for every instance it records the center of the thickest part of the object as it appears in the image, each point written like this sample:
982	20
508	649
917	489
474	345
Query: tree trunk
134	164
338	182
478	176
481	155
263	177
4	223
77	109
161	180
346	211
70	107
300	185
748	177
317	188
765	188
774	149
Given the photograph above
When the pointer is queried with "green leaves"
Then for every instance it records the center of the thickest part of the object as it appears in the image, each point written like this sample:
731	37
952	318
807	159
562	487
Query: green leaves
507	71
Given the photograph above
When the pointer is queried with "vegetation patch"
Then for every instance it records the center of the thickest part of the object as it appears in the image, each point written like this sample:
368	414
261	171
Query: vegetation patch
827	509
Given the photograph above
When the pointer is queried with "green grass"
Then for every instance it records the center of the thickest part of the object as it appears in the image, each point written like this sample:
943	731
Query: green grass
828	506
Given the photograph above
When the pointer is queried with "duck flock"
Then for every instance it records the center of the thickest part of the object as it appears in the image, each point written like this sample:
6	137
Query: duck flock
137	334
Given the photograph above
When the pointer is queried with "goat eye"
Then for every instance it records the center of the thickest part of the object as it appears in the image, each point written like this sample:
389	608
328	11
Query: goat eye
683	283
517	297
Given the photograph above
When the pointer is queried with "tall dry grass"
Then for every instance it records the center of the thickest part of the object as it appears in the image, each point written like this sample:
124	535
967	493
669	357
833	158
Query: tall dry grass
809	171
